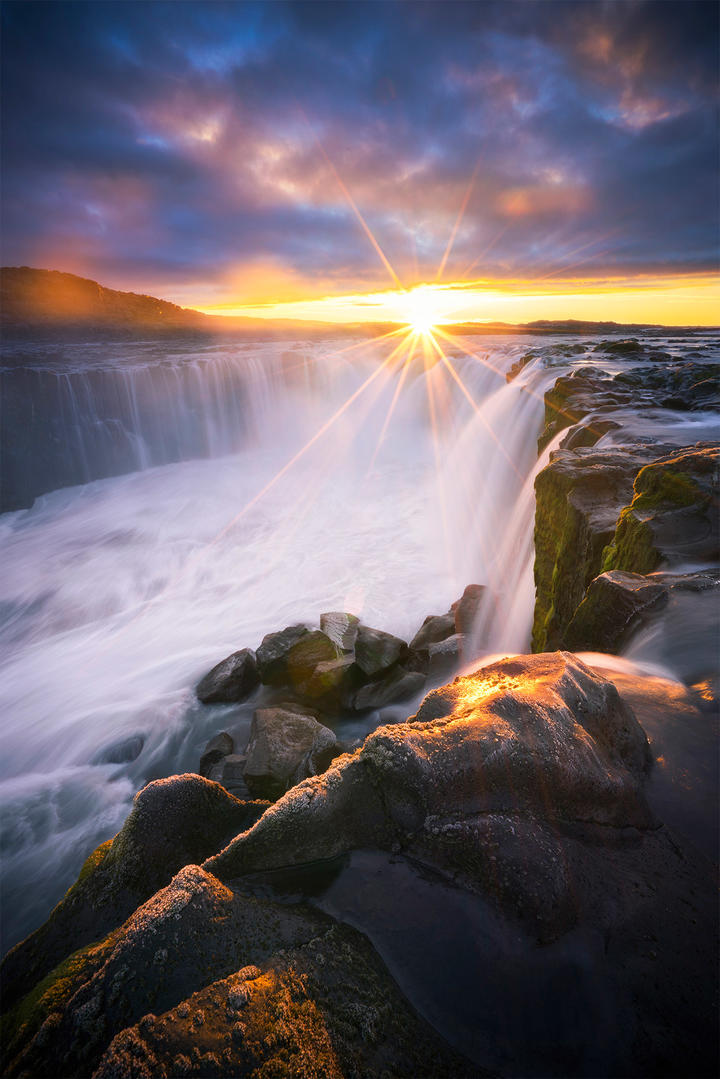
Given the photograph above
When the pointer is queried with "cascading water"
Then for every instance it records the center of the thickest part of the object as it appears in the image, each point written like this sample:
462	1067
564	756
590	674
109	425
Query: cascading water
191	502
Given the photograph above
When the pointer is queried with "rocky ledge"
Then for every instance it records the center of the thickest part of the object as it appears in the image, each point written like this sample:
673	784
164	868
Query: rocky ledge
626	524
524	784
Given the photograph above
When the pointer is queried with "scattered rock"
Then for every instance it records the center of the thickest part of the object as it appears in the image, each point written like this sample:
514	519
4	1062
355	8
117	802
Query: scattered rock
284	748
233	679
445	658
331	682
217	748
272	655
466	608
397	685
304	656
341	628
376	651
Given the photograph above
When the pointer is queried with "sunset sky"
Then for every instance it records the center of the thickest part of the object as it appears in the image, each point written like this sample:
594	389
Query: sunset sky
535	159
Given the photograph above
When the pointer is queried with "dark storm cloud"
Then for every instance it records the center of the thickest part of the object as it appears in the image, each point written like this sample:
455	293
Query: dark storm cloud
162	142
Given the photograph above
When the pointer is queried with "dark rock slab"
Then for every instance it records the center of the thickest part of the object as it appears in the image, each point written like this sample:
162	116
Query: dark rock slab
610	609
376	651
536	736
397	685
233	679
284	748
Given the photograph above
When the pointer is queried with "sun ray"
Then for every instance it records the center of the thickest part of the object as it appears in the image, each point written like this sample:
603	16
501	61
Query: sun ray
484	252
354	207
412	343
436	453
458	221
478	411
460	341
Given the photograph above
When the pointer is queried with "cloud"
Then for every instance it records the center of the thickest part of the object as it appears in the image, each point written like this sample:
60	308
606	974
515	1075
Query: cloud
173	143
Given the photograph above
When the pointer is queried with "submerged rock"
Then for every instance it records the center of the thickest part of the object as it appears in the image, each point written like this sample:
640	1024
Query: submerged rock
218	747
284	748
122	751
233	679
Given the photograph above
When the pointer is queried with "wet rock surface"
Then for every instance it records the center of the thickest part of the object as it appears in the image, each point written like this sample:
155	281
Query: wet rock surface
284	748
524	785
685	386
634	508
174	822
233	679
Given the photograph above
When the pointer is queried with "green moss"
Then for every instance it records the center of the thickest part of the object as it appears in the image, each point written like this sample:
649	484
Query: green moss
632	549
91	863
19	1025
563	558
656	487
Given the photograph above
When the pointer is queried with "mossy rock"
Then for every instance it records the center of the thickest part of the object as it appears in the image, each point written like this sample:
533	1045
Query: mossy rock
174	822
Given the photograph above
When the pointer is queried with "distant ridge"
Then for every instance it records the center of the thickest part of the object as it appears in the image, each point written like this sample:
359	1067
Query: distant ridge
44	303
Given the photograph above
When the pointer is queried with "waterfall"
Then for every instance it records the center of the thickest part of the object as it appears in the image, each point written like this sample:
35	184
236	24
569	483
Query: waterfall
187	503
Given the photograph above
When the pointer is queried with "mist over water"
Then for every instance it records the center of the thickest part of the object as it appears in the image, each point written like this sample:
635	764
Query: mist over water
204	499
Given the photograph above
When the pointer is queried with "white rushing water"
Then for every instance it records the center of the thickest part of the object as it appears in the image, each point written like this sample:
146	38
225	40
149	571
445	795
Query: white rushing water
245	488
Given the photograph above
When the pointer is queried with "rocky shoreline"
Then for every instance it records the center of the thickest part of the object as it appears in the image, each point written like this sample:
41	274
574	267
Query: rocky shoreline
536	785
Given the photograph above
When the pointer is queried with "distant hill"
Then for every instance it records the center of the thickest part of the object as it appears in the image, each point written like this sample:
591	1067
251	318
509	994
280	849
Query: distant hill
33	298
39	302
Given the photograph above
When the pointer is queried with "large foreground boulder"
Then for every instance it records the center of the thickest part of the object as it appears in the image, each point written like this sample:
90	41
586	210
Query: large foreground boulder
528	740
264	989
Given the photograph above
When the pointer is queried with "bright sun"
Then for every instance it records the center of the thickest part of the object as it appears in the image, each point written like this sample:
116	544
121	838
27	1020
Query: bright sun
420	310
